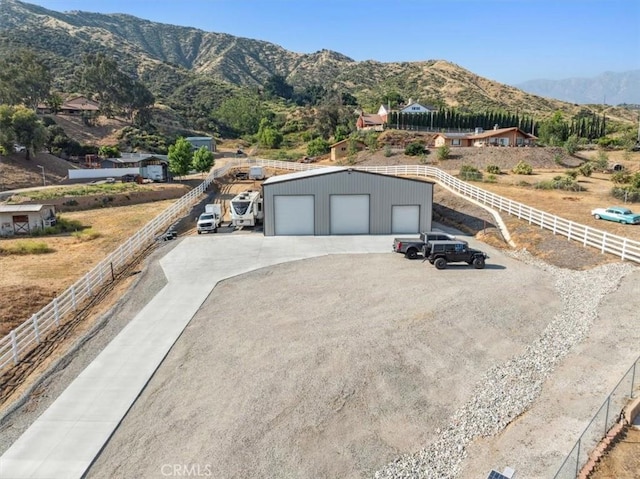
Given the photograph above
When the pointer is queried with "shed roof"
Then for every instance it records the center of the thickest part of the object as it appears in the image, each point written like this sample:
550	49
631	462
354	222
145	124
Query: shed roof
22	208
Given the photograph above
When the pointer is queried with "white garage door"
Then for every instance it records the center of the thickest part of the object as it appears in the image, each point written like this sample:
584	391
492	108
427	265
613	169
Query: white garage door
405	219
294	215
349	214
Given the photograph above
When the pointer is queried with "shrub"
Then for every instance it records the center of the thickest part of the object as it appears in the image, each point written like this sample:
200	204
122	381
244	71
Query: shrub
571	145
601	161
443	152
573	174
387	151
627	194
27	247
559	183
621	178
491	178
318	146
414	149
586	169
86	235
523	168
470	173
493	169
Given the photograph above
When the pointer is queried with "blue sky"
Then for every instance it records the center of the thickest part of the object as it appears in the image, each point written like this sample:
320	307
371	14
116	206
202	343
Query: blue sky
509	41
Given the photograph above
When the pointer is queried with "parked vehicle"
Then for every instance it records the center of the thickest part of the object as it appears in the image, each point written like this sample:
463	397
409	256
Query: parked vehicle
445	252
241	175
209	221
256	173
130	178
246	209
412	247
618	214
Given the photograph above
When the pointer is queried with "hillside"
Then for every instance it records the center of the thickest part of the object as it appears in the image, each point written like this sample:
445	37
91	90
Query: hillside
168	58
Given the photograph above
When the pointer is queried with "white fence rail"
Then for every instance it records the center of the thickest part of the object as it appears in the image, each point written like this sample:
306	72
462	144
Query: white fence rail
30	333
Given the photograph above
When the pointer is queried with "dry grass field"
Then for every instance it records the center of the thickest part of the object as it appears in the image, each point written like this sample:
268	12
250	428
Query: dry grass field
30	281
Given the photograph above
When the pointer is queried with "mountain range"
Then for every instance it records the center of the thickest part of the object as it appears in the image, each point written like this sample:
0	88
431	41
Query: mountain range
609	88
186	65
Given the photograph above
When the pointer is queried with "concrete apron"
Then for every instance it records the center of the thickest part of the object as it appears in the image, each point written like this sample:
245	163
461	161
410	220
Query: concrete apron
67	437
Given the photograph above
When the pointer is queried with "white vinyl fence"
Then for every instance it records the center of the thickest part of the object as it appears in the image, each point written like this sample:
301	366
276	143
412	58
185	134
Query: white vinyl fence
30	333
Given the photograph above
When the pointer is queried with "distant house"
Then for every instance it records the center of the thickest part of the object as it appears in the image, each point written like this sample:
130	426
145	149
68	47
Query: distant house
148	165
25	219
340	149
414	107
451	139
512	136
370	121
77	105
199	141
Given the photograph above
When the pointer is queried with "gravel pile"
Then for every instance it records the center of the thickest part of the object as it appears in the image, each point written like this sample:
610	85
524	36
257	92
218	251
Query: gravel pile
508	390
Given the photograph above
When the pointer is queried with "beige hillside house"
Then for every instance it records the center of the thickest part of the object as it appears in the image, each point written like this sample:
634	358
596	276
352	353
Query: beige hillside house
512	136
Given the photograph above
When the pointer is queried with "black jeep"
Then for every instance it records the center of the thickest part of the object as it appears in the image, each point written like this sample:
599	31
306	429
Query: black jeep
443	252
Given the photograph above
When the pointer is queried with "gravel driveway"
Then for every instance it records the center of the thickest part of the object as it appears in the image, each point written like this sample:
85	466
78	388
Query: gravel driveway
350	366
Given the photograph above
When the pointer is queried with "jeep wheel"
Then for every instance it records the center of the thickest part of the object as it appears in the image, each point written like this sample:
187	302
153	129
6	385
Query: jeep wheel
478	263
440	263
596	217
411	253
199	232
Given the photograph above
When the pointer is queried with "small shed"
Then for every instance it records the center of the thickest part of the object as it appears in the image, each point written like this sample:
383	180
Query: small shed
345	201
341	149
25	219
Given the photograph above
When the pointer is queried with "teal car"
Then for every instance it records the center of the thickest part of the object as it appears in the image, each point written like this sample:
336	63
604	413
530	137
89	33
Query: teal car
619	214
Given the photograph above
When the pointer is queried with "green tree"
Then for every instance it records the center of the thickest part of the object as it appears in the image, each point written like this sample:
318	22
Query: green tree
443	152
203	160
241	113
318	146
7	135
268	135
109	151
277	86
29	130
180	157
24	79
571	145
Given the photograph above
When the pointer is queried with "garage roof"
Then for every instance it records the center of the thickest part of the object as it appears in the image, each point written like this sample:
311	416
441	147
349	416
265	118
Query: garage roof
21	208
322	170
327	170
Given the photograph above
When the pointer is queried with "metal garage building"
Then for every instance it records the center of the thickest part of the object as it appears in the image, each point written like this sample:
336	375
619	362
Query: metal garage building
344	201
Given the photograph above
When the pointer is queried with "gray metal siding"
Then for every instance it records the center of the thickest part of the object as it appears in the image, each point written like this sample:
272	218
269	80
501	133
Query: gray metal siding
385	192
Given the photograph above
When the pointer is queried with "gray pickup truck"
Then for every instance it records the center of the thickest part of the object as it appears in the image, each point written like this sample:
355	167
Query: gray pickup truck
413	247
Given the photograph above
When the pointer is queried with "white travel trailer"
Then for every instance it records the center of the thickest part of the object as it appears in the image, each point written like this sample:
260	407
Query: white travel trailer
246	209
256	173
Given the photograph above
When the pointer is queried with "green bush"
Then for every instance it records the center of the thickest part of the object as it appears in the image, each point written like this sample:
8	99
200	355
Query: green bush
443	152
318	146
414	149
491	179
493	169
559	183
523	168
621	178
387	151
573	174
470	173
627	194
586	169
571	145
